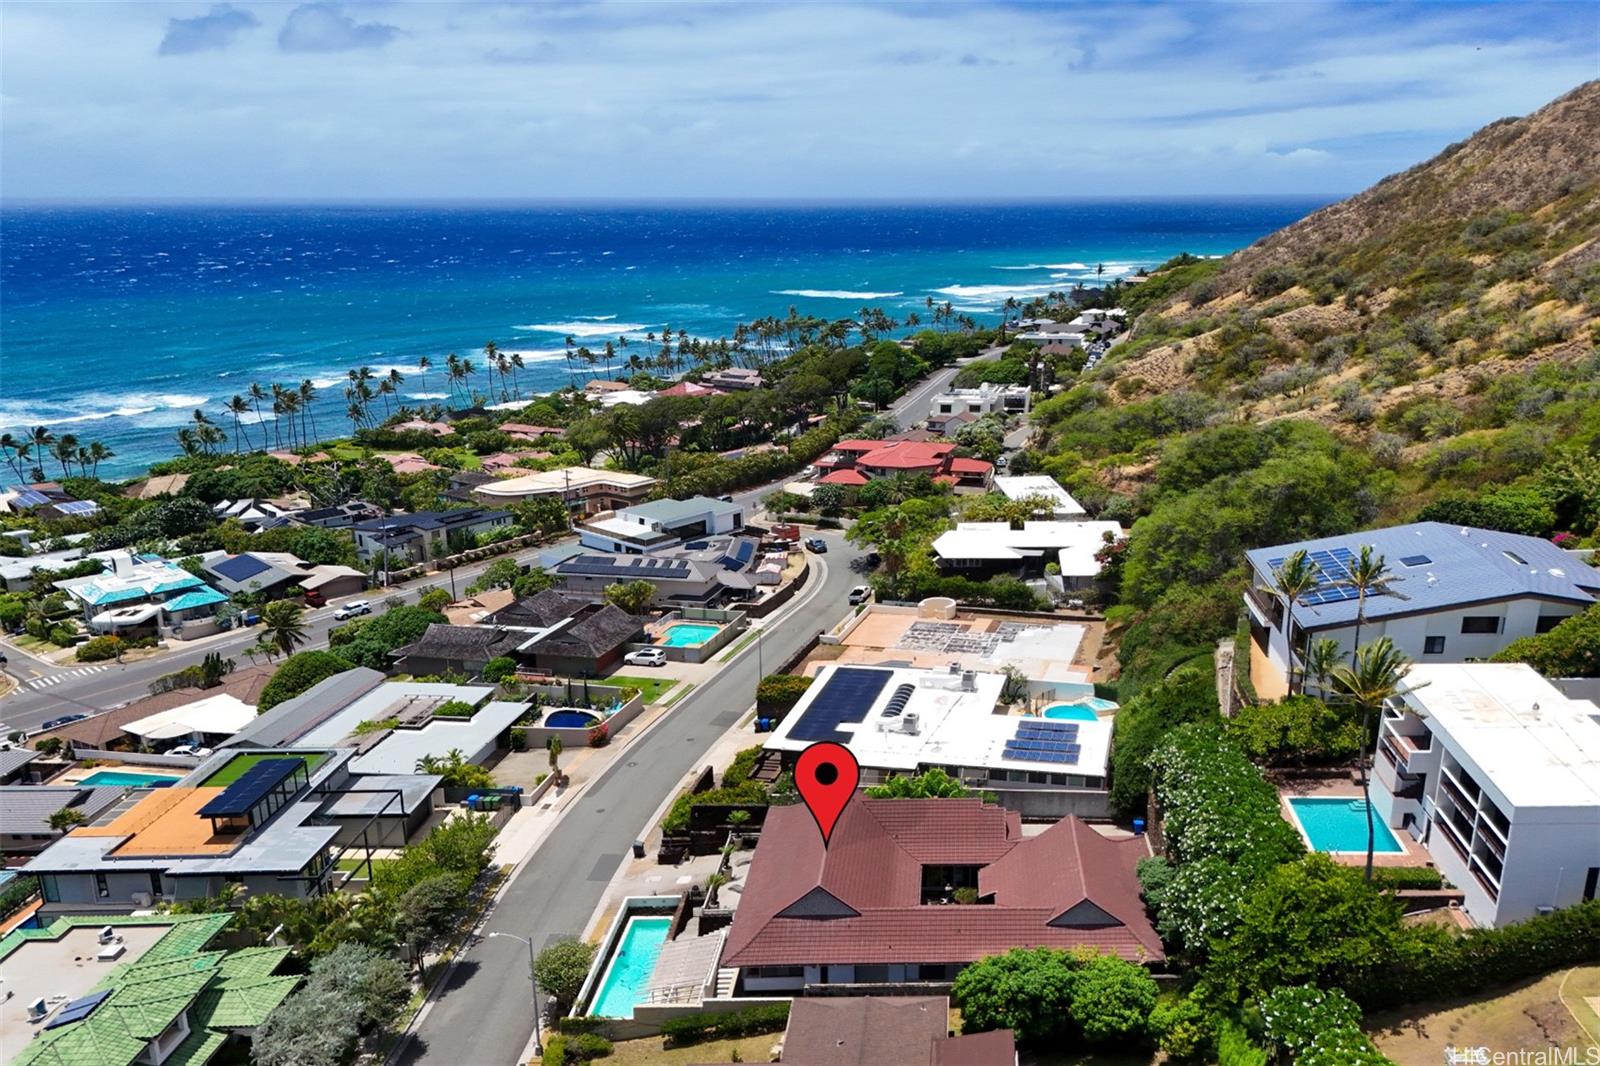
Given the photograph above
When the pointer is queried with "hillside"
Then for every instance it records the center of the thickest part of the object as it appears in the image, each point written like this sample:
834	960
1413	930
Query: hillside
1429	348
1482	261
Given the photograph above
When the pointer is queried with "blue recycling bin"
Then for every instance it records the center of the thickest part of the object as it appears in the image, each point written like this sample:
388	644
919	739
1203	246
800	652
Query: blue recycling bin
1138	825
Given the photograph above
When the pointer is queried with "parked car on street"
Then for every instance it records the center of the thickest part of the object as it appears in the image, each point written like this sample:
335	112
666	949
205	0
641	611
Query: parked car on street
351	609
860	594
646	657
66	719
817	544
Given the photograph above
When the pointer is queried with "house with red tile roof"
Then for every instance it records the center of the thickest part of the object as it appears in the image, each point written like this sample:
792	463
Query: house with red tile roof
877	905
530	431
884	458
690	388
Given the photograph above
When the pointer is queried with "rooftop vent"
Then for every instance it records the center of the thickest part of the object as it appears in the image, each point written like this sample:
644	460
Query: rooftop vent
897	702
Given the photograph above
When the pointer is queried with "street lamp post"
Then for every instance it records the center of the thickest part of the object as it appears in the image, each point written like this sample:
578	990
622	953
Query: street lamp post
533	982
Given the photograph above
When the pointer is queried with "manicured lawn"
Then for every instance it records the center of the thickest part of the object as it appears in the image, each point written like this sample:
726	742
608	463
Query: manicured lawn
651	1051
651	687
1533	1014
235	767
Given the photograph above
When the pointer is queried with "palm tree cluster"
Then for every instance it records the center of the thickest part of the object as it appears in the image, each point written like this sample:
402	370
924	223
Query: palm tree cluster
25	455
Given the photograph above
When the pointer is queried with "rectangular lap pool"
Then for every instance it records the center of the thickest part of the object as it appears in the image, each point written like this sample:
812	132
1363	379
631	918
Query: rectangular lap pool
630	968
1340	824
114	778
688	634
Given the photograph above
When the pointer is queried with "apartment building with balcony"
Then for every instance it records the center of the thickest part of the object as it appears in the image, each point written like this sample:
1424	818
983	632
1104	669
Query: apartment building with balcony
660	524
1497	773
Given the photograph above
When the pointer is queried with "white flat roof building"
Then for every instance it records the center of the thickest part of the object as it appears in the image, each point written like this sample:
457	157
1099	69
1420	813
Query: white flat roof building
1498	774
573	481
220	715
1022	486
897	720
996	546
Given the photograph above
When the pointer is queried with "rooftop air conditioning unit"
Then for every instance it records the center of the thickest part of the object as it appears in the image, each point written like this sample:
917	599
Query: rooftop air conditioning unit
140	899
969	681
955	668
107	934
37	1009
911	723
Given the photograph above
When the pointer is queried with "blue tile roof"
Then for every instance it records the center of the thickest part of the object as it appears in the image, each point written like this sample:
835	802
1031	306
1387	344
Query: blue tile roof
1436	567
199	598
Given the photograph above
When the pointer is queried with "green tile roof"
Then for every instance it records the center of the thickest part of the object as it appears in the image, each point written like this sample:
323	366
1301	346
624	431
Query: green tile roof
221	992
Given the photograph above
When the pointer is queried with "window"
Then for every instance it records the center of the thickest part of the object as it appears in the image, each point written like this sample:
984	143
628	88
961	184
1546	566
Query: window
155	883
1433	646
101	889
1514	557
1547	622
1482	623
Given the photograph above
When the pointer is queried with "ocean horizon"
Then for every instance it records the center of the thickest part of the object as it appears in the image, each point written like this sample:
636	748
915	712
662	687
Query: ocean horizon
120	319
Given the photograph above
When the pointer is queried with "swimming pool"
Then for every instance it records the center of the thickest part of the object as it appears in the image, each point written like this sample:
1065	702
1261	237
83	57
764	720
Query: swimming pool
630	967
571	720
1080	710
1340	824
688	634
112	778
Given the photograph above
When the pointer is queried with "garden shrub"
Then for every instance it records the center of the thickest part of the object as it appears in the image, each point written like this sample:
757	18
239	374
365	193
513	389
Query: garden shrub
99	649
699	1028
778	692
298	673
739	769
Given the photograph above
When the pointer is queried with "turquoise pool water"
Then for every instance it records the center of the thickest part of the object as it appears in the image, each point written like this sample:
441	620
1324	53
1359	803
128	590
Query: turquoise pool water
1341	825
118	777
688	635
1084	710
630	967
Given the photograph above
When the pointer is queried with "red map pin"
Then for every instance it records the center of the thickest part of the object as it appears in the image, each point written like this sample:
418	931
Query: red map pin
826	775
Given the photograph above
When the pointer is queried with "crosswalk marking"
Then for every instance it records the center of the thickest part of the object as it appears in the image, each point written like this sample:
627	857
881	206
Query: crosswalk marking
56	679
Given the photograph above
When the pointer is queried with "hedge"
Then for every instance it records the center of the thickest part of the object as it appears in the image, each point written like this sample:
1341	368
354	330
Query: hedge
778	692
698	1028
1401	877
99	649
564	1049
1440	964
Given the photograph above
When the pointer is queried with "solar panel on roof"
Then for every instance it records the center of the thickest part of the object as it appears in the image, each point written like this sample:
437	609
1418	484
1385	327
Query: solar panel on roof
240	567
30	498
847	697
78	1009
252	785
78	507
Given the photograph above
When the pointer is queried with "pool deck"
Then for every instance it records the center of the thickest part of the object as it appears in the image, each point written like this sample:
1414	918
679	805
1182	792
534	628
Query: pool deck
1414	854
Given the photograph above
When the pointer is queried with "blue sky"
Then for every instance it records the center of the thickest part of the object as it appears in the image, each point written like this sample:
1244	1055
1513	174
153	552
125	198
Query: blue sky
910	100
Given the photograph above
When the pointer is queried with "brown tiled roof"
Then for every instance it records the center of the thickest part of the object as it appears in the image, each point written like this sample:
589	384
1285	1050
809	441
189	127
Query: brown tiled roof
244	684
864	1031
997	1048
859	901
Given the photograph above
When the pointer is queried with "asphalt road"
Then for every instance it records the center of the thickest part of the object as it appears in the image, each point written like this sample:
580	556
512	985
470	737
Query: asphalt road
484	1014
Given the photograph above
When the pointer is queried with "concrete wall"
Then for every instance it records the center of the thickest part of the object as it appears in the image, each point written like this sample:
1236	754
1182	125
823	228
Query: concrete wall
572	738
134	758
1052	803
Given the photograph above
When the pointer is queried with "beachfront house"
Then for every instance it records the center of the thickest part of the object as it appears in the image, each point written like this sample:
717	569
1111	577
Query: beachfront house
660	524
878	905
1453	594
427	535
145	595
736	378
1497	773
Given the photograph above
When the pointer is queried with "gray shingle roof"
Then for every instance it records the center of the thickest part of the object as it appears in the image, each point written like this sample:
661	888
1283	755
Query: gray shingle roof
461	642
539	611
27	808
15	759
293	718
598	629
1452	566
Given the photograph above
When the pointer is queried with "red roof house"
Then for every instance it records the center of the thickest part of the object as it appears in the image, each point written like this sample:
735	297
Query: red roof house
848	478
882	458
874	1030
874	905
690	388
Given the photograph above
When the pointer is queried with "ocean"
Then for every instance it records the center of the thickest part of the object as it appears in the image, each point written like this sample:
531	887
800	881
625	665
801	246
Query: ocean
117	322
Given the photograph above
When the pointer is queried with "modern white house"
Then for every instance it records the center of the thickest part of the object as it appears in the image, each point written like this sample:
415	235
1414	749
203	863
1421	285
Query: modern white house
983	549
585	490
140	595
986	399
1497	774
1454	593
1029	486
660	524
898	720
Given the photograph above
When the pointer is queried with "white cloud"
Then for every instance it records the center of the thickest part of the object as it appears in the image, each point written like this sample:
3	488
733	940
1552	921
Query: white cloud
759	100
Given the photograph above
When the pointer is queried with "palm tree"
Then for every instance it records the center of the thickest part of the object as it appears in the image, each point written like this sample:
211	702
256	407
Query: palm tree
452	365
188	441
290	401
283	624
236	407
308	394
1321	658
395	379
98	453
386	390
355	414
83	460
1294	577
257	394
467	370
66	450
41	439
1373	677
1369	576
8	445
516	382
424	364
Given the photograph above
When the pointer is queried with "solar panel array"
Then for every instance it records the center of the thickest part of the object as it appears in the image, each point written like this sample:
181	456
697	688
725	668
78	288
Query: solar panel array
78	1009
740	558
30	498
252	785
78	507
1044	740
630	566
240	567
847	697
1334	583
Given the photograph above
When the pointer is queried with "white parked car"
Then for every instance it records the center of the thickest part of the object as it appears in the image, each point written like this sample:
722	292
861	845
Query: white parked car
860	594
190	749
351	609
646	657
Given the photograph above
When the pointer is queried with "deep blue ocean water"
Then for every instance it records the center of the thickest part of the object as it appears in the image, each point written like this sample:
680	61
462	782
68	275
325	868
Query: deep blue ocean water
116	322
